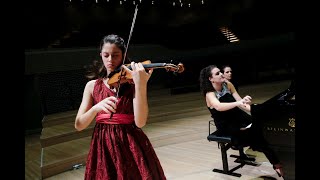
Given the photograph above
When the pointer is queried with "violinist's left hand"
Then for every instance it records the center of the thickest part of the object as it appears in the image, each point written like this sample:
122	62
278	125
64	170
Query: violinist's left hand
139	74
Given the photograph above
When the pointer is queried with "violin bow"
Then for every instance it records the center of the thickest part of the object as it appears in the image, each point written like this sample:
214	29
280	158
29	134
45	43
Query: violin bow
125	53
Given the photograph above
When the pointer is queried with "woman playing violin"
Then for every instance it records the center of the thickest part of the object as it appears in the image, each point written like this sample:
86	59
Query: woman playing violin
119	148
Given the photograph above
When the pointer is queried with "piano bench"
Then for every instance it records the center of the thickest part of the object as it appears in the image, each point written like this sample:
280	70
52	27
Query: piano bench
225	143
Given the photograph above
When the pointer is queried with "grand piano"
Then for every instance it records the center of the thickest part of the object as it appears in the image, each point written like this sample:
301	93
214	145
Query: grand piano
276	120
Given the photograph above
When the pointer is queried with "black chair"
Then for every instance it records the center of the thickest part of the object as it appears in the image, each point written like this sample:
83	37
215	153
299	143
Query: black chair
224	142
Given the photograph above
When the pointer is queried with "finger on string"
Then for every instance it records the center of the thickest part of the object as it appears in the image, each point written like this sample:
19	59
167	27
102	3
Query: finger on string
150	71
140	66
126	68
133	66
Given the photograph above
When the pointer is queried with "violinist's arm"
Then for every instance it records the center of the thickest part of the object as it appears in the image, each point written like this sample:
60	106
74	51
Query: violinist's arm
140	105
85	113
140	101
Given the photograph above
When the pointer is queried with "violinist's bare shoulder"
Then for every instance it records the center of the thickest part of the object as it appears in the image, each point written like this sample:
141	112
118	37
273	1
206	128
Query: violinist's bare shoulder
89	86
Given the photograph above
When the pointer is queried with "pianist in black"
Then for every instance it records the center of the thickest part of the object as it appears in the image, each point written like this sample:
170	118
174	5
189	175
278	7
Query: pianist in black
231	114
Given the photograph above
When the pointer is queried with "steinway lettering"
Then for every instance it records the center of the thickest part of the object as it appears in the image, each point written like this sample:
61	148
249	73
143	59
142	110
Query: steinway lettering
276	118
279	129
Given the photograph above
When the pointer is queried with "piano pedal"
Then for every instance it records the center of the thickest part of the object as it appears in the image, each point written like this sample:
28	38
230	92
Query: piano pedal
250	157
247	162
246	157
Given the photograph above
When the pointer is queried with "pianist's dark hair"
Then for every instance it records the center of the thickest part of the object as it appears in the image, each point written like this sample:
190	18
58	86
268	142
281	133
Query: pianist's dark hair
97	68
205	84
224	66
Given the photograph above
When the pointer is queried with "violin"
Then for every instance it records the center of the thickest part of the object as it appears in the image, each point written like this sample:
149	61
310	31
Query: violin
116	77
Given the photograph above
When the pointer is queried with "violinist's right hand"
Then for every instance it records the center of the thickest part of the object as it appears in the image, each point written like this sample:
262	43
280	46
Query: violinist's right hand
109	105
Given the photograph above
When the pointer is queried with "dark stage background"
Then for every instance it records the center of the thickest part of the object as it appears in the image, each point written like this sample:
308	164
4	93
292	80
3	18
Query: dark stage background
62	36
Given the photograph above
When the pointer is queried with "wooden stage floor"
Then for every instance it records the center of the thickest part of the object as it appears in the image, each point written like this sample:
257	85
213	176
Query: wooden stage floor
180	143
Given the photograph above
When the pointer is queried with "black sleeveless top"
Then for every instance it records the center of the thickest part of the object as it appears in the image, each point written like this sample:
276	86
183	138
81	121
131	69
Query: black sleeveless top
230	121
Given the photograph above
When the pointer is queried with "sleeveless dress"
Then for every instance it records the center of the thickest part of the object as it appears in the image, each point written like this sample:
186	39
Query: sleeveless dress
119	150
229	122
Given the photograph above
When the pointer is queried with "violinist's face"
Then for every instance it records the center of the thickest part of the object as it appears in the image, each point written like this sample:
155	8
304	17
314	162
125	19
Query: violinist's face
111	56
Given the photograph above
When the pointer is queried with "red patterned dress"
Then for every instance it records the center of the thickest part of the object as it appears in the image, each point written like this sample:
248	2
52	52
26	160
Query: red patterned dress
120	150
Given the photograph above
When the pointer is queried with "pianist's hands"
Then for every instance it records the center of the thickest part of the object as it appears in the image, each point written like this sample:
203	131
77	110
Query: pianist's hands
245	100
244	104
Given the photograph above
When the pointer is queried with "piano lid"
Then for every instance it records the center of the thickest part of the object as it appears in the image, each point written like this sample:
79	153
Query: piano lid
275	118
286	95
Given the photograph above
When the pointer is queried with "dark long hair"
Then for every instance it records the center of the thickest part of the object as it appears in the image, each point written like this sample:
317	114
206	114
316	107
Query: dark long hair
224	66
205	84
97	68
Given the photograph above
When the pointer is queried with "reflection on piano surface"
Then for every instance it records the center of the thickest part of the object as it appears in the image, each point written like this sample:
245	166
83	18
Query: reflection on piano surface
276	118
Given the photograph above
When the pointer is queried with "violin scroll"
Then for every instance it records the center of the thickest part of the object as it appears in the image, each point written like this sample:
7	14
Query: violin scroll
175	68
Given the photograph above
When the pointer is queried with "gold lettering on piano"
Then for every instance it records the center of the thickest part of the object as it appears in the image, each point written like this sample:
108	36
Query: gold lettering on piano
280	129
292	122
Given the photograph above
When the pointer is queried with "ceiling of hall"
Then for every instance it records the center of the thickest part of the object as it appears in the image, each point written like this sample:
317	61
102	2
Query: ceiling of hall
82	23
